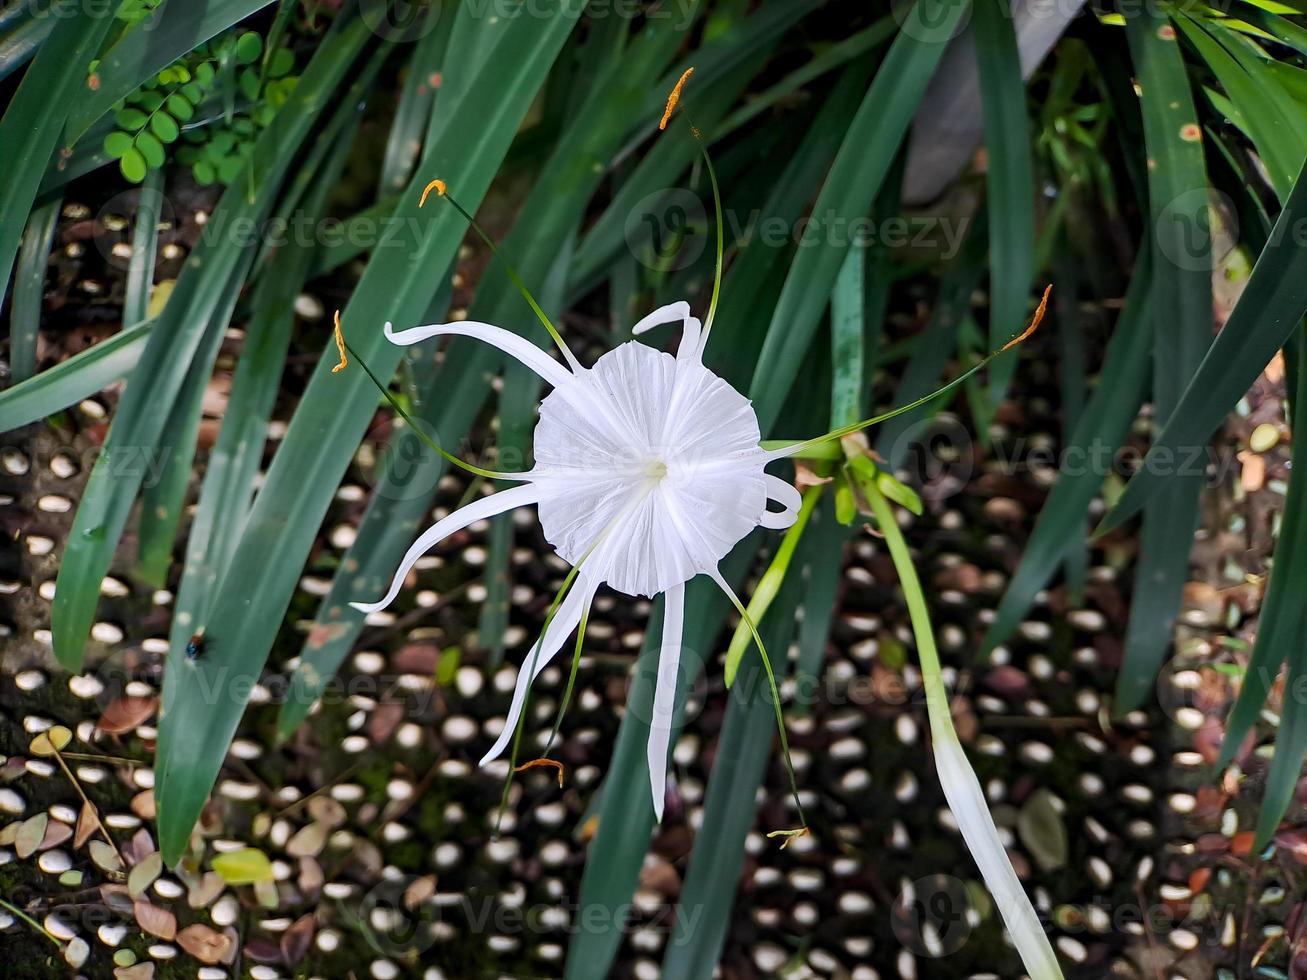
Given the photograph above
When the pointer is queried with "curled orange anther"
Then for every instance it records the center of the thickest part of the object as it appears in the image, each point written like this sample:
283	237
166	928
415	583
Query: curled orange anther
1034	321
340	346
675	97
543	762
436	185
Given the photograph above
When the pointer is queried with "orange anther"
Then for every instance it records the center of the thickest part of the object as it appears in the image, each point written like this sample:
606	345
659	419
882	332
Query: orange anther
1034	321
340	346
675	97
436	185
543	762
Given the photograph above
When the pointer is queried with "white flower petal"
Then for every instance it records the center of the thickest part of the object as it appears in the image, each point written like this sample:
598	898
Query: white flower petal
666	435
790	500
967	801
443	528
566	619
507	341
690	327
664	704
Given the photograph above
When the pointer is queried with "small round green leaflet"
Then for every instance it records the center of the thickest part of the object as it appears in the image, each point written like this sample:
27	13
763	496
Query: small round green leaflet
132	164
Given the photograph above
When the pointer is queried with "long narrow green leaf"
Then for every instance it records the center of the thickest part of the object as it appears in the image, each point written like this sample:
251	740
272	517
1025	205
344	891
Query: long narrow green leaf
1100	431
865	157
34	118
1271	306
938	341
205	283
67	383
1009	180
1282	625
149	46
254	594
413	113
18	45
145	240
848	334
824	568
1279	142
1182	285
164	495
29	289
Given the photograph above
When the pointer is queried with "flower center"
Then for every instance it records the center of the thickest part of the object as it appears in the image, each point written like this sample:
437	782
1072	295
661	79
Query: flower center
655	469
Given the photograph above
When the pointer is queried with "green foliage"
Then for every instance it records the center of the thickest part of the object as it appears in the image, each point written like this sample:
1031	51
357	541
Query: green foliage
213	104
803	120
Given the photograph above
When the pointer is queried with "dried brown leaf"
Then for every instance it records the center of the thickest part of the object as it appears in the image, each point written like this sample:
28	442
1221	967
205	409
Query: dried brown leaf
127	713
206	944
155	920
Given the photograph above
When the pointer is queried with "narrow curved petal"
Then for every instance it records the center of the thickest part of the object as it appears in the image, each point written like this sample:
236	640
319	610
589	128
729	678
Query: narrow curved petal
664	704
690	329
443	528
967	801
507	341
788	497
566	619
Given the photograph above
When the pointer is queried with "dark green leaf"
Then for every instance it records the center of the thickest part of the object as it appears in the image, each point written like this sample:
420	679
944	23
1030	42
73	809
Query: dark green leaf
333	414
1269	309
865	157
29	289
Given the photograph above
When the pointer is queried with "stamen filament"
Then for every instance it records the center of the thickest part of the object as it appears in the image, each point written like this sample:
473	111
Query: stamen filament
802	448
725	586
412	423
571	680
442	190
770	583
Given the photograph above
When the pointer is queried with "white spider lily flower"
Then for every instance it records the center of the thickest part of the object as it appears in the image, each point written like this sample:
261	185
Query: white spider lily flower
648	471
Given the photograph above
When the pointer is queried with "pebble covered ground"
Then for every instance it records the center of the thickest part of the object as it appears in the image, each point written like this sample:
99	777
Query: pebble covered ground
370	835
